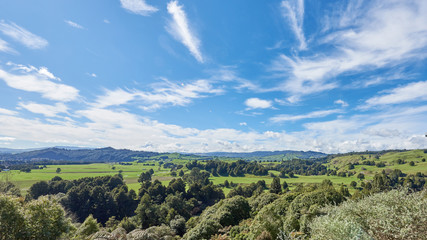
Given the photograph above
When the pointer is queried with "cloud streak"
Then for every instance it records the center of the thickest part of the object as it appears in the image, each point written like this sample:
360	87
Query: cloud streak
45	109
179	28
31	79
22	35
138	7
164	93
416	91
315	114
293	12
73	24
385	35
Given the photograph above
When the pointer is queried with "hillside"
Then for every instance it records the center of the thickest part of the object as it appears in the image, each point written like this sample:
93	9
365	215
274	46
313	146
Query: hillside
80	155
372	162
267	155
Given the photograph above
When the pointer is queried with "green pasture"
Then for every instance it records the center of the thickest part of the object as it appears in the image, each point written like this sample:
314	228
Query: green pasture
131	172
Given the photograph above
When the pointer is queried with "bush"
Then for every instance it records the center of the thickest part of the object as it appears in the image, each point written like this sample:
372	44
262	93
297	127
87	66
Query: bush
38	219
388	215
227	212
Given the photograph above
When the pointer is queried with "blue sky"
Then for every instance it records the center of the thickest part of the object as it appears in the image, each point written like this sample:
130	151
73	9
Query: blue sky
202	76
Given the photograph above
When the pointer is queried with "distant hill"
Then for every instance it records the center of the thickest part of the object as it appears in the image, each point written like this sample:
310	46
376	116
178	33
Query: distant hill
77	155
267	155
13	150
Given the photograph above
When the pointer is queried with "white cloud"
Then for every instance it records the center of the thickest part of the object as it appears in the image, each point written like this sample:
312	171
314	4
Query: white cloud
180	29
45	109
341	102
243	124
253	103
397	128
7	112
106	21
92	75
163	93
384	35
114	98
416	91
73	24
22	35
4	47
138	7
7	139
31	79
293	11
315	114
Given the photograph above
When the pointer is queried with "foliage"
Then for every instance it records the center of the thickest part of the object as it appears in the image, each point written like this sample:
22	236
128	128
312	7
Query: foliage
388	215
227	212
42	219
9	189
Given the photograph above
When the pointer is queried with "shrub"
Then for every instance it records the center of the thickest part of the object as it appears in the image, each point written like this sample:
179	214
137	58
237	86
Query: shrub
388	215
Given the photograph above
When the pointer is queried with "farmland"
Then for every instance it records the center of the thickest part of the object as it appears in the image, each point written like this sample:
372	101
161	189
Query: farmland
131	171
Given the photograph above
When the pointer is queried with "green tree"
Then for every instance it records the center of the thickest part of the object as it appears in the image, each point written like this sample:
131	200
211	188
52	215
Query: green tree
353	184
46	219
88	227
361	176
275	186
285	186
38	189
411	163
12	222
226	184
181	173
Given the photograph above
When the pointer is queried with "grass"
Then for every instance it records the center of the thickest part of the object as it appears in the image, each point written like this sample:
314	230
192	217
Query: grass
131	172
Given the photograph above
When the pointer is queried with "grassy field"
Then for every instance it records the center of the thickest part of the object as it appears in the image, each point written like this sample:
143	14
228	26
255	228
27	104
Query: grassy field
131	172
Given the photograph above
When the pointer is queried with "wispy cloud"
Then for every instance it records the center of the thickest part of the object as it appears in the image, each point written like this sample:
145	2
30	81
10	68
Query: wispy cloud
45	109
180	29
4	47
416	91
73	24
7	111
138	7
293	11
385	35
32	79
341	102
163	93
315	114
254	103
7	139
22	35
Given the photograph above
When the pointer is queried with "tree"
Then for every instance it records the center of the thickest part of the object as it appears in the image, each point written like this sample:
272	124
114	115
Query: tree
361	176
181	173
58	170
226	184
275	186
285	186
145	176
88	227
411	163
12	222
46	219
353	184
38	189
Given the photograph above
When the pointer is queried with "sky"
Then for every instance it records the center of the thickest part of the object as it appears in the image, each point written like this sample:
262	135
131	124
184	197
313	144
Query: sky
205	76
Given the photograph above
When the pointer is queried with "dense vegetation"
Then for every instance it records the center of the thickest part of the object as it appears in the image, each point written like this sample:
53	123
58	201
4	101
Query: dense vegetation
389	203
